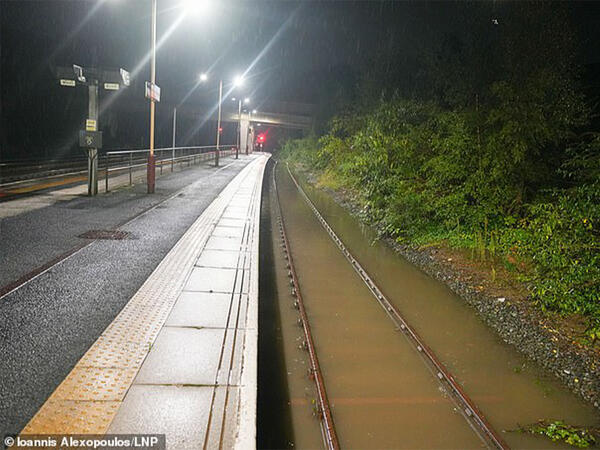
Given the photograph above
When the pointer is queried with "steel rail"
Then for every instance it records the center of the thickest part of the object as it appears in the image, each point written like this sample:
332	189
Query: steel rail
467	407
47	177
325	416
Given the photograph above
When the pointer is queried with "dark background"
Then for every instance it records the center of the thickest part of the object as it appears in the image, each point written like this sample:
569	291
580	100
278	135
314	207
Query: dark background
291	51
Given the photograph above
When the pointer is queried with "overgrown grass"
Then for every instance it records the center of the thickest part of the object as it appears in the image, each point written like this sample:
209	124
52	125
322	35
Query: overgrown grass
427	175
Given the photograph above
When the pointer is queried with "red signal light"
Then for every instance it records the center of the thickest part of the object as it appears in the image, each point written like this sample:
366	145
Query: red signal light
220	130
261	138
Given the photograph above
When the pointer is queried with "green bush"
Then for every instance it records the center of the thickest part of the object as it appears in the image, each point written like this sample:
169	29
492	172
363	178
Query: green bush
477	179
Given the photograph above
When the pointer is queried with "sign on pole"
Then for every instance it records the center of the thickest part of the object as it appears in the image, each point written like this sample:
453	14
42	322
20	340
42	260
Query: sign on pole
152	91
90	139
91	125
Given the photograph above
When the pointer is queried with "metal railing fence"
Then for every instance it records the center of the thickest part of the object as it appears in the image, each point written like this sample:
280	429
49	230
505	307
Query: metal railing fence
126	161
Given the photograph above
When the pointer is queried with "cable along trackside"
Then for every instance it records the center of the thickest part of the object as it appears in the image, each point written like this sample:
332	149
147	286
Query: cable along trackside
465	405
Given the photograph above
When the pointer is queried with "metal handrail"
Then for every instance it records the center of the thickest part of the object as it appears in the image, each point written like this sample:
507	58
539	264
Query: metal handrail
200	152
162	149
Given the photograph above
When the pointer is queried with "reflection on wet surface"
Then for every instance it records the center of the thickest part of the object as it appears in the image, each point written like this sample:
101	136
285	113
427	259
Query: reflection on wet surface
382	394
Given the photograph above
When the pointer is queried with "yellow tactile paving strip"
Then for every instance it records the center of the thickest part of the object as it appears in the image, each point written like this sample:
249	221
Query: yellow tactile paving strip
88	399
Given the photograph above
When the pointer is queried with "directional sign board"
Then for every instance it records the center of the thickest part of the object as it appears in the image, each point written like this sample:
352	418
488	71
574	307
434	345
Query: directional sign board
111	86
152	91
90	139
69	83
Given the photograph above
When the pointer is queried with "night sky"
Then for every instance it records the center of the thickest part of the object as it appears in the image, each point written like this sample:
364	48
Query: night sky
308	51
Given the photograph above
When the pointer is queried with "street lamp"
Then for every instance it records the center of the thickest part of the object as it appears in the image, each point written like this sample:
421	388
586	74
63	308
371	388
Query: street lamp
239	130
250	129
151	169
237	82
204	78
153	91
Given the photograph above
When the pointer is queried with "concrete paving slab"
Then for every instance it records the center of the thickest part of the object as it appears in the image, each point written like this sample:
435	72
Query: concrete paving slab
223	243
230	232
210	279
242	282
200	309
231	428
232	359
216	424
180	412
235	212
183	356
219	258
228	222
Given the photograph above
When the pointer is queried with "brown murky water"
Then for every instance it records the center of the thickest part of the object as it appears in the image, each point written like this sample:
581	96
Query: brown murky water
382	394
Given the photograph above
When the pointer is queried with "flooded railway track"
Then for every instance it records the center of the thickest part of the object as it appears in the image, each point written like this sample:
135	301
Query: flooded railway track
324	410
465	405
373	389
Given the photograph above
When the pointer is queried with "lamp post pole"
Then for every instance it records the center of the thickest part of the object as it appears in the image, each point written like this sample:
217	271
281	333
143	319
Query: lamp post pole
239	129
219	123
151	167
93	152
248	129
174	135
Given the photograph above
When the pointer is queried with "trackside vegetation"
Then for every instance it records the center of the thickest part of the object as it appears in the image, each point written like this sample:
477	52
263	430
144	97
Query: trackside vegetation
504	163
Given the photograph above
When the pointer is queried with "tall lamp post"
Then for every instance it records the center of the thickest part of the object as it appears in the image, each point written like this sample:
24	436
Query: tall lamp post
239	127
239	80
249	132
151	174
153	91
219	123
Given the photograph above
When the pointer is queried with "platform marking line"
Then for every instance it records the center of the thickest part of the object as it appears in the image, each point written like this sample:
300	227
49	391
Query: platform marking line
88	399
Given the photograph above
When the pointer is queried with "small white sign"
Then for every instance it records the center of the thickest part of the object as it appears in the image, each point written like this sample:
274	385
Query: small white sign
152	91
111	86
125	76
70	83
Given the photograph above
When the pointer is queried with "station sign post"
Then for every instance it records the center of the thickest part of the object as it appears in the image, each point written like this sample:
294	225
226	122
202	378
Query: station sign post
90	138
152	94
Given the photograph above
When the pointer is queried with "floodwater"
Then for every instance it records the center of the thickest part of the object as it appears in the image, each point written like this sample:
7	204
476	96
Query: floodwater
382	394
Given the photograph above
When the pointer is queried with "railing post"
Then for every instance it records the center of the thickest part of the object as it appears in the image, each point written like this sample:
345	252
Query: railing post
130	163
106	175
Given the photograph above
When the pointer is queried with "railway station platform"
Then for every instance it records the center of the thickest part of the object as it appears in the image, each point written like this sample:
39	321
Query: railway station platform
180	358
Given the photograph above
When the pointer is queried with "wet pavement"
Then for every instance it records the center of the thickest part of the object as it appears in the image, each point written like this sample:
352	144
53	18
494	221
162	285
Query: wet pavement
49	323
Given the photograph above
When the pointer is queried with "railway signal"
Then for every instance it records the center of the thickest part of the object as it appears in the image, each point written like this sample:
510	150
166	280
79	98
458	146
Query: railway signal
91	138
